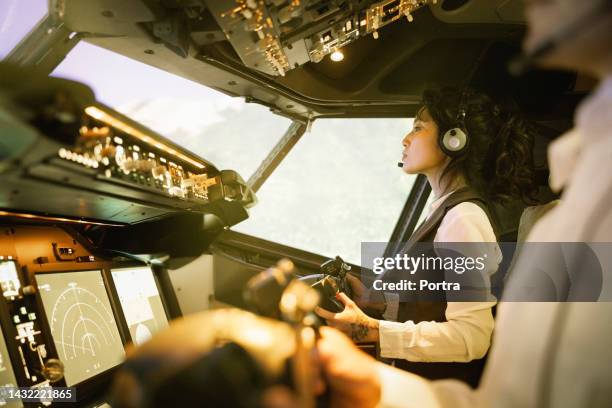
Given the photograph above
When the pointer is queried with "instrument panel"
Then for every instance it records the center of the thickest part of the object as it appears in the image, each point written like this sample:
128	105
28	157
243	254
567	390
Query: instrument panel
116	151
66	316
68	158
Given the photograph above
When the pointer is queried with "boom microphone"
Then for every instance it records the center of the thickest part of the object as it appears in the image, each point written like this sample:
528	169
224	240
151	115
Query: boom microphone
400	164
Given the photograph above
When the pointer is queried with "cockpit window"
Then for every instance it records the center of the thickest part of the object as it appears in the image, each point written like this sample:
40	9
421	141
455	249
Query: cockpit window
227	131
338	187
17	19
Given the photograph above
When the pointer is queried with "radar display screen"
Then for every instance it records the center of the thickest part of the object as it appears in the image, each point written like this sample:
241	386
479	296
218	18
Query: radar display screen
140	301
82	323
7	376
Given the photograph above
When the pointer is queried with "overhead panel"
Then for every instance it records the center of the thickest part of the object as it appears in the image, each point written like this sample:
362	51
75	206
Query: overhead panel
277	36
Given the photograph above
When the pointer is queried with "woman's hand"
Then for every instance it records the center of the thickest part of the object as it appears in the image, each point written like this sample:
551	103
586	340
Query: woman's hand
352	321
366	299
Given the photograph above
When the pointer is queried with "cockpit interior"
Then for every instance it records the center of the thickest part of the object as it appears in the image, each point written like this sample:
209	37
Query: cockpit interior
156	155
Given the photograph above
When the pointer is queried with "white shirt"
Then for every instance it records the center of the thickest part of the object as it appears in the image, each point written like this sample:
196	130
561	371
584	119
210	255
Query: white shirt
546	354
466	335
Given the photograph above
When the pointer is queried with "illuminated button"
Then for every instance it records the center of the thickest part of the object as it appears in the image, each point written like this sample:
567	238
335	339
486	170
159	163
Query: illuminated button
23	310
16	319
176	191
337	56
97	151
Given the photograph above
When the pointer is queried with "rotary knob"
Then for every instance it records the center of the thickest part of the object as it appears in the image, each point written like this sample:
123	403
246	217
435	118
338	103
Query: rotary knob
53	370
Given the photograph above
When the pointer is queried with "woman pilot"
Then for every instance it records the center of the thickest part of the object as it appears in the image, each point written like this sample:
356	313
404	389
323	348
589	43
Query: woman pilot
472	154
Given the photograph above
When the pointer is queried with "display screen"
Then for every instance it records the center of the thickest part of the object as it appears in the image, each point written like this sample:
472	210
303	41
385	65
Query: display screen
82	324
140	301
9	281
7	376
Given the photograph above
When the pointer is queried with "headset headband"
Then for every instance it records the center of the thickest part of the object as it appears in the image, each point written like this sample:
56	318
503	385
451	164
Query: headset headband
454	141
461	110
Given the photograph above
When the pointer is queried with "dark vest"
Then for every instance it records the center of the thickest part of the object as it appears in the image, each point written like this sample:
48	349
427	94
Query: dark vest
428	310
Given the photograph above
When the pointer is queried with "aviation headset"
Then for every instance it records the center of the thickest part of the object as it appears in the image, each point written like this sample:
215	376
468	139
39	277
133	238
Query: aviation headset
454	141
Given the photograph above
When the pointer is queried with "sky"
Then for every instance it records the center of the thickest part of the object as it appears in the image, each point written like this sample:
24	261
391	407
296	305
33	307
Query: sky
115	79
17	18
118	80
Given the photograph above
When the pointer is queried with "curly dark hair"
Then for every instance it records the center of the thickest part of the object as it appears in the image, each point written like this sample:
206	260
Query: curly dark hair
498	162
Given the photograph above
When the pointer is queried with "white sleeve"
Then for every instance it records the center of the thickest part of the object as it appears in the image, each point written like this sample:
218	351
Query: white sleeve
466	335
401	389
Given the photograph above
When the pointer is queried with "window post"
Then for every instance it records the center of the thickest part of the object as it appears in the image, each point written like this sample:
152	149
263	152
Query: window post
276	155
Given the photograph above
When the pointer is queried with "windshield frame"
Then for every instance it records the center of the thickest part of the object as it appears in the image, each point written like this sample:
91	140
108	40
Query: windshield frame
48	44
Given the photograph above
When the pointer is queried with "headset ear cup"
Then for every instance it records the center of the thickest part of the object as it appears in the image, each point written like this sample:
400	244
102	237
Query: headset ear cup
453	142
